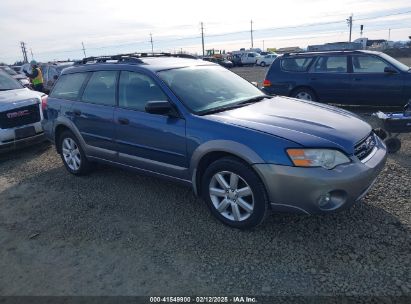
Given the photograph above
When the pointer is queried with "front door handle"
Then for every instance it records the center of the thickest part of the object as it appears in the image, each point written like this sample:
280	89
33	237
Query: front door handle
123	121
77	112
313	78
357	79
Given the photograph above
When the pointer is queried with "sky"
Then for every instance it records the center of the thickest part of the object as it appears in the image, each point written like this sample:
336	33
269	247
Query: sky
55	30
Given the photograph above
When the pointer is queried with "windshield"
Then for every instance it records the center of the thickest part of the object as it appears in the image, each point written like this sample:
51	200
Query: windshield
9	71
207	88
8	83
395	62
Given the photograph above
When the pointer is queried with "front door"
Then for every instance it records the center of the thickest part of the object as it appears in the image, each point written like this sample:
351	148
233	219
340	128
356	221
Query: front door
148	141
373	86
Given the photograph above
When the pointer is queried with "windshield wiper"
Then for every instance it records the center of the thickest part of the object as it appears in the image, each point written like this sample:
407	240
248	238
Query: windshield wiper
236	105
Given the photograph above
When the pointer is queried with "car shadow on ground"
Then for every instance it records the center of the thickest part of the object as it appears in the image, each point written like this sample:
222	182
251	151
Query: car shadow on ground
162	227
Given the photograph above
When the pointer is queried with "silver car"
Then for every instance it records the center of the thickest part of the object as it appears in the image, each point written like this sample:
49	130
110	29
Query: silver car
23	79
20	114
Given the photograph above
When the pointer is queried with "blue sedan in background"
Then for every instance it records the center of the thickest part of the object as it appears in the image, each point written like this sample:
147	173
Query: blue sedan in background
341	77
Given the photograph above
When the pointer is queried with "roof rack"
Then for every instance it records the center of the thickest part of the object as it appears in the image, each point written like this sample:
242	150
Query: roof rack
130	58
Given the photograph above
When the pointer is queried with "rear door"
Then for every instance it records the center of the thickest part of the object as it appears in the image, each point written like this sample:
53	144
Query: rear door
372	86
93	114
330	79
148	141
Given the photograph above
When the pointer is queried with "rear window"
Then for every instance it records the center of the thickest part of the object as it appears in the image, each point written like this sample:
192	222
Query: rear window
68	86
300	64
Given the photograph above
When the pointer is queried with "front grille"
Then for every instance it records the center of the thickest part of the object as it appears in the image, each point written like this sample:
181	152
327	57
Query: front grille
19	116
365	147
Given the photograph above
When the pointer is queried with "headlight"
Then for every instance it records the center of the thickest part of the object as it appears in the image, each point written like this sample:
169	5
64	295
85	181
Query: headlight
325	158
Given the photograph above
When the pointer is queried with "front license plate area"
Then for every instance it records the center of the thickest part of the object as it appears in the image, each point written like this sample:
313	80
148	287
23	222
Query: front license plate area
24	132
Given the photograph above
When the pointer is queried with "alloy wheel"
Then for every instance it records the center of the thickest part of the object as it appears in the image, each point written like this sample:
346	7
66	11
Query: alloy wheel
71	154
231	196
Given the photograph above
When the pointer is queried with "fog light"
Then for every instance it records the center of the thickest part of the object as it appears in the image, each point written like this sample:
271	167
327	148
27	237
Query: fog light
324	200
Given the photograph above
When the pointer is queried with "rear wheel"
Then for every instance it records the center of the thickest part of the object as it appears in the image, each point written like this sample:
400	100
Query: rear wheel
234	193
72	154
304	94
262	64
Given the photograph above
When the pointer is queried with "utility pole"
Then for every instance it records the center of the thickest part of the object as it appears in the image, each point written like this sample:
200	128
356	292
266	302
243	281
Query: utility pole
263	46
23	50
151	40
84	49
349	22
202	37
252	39
389	34
362	29
31	52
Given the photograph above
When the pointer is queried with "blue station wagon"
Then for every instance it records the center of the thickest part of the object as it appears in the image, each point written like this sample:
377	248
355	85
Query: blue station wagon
341	77
194	122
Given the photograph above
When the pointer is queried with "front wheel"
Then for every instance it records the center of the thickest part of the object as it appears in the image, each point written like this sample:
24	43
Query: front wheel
72	154
262	64
304	94
234	193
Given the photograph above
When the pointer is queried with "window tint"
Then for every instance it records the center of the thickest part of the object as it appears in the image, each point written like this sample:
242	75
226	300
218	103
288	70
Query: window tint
368	64
251	55
68	86
101	88
296	64
136	89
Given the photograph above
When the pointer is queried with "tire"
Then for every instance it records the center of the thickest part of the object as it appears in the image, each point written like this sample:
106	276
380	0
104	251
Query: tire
304	94
262	64
72	154
393	144
243	204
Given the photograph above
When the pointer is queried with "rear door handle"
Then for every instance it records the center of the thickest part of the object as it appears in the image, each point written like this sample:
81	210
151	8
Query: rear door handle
123	121
77	112
357	79
313	78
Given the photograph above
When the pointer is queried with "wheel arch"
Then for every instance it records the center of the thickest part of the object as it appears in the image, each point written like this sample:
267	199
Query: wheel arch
214	150
65	124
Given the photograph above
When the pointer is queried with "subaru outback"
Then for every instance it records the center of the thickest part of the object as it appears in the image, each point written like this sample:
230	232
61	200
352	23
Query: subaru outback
199	124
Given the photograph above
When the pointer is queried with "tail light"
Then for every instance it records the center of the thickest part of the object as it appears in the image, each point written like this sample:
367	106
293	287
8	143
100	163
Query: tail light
266	83
44	102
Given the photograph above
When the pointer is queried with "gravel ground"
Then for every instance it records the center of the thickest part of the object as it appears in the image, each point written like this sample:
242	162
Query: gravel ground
118	233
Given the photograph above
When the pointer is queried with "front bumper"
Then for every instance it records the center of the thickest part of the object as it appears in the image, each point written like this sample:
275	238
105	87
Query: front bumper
9	143
302	190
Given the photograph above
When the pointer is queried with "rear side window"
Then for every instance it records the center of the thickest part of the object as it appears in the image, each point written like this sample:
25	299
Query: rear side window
68	86
331	64
101	88
296	64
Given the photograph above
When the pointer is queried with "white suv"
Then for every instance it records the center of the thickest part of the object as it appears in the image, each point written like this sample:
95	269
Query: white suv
20	114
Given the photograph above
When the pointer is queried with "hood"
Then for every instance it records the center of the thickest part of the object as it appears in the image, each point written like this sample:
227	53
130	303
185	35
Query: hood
19	76
18	98
309	124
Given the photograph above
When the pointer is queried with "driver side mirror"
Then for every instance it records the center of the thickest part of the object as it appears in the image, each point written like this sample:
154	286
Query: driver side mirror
390	70
161	108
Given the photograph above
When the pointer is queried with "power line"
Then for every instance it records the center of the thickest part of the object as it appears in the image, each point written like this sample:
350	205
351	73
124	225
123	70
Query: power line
349	21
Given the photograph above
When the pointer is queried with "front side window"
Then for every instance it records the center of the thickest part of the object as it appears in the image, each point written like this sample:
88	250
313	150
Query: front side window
331	64
136	89
296	64
68	86
101	88
368	64
52	72
208	88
